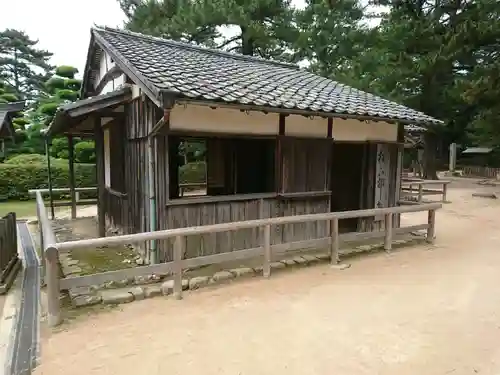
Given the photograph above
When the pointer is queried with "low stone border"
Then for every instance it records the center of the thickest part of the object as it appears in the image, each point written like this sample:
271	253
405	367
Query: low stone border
139	288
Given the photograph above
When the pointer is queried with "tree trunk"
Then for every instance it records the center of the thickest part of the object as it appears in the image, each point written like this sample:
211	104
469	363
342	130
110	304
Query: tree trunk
430	172
247	42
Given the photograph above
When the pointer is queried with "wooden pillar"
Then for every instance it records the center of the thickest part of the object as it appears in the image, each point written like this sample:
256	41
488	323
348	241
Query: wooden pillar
49	173
279	169
72	185
99	151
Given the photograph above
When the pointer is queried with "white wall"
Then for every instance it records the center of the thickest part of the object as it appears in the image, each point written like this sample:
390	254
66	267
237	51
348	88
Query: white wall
105	65
225	120
222	120
107	160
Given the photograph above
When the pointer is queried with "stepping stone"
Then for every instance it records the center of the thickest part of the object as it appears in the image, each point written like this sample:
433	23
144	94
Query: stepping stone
222	276
114	297
198	282
277	265
152	291
85	300
137	292
243	271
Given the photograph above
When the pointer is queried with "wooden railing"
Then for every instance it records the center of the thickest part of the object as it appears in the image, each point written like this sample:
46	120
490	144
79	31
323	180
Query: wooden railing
8	245
184	188
266	250
116	207
478	171
78	200
416	188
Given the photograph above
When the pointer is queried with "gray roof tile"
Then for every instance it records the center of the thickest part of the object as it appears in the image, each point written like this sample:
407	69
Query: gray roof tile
213	75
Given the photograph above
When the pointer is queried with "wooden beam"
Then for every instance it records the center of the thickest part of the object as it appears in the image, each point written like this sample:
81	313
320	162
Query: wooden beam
110	75
329	132
99	150
279	154
71	162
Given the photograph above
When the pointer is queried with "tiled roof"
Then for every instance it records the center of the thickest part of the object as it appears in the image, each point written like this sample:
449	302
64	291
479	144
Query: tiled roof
6	111
199	73
410	128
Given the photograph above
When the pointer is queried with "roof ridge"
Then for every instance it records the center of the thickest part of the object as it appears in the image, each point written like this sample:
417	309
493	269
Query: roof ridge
193	47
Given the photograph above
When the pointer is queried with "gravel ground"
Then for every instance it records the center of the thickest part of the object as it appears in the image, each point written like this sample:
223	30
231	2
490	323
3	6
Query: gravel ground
421	310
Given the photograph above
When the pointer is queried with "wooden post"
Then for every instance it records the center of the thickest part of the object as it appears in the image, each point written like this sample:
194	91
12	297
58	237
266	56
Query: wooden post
42	246
99	150
388	232
178	253
420	192
445	191
266	269
334	246
49	172
52	280
431	221
71	161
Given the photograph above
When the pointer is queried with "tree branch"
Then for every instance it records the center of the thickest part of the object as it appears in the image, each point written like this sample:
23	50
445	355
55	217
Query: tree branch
229	41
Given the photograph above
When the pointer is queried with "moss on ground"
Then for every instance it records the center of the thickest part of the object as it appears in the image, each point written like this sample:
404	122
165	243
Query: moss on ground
104	259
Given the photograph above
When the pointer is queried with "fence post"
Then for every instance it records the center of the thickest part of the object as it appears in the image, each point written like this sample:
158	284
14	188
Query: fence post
178	253
266	269
388	232
40	230
334	246
52	279
431	221
420	192
445	190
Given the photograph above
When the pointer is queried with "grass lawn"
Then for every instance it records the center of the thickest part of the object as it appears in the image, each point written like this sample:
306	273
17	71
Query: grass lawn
22	209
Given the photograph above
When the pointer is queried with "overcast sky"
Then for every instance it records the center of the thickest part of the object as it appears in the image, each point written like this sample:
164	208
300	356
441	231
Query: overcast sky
63	26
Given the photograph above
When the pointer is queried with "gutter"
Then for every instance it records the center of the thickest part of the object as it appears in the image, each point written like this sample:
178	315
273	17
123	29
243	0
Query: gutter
153	256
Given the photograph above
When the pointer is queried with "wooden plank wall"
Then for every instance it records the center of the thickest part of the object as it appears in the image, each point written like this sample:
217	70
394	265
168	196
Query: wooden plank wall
127	202
186	215
305	164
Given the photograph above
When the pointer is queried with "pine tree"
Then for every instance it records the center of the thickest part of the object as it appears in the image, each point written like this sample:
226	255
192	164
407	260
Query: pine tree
23	67
262	27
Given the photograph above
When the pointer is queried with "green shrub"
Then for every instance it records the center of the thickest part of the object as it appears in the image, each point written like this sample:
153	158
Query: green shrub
85	152
28	159
192	173
67	95
17	179
66	71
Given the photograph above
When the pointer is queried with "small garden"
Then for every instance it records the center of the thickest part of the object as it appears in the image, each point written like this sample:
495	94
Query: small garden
24	172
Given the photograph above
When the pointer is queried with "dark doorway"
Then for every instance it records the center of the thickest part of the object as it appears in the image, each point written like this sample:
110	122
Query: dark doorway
346	172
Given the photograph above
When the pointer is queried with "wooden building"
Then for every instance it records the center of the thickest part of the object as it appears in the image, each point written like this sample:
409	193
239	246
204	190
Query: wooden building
280	141
7	131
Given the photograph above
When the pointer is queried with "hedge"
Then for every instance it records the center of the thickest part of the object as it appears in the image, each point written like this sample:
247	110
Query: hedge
24	159
192	172
16	180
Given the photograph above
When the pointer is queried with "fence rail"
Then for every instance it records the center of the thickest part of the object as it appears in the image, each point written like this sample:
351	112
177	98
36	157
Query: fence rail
8	245
478	171
416	188
265	250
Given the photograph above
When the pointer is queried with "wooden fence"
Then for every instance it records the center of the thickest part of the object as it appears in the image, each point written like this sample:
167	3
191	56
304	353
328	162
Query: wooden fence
478	171
266	250
416	188
8	245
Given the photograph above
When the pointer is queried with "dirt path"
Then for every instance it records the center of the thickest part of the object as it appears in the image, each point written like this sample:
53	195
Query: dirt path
422	310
